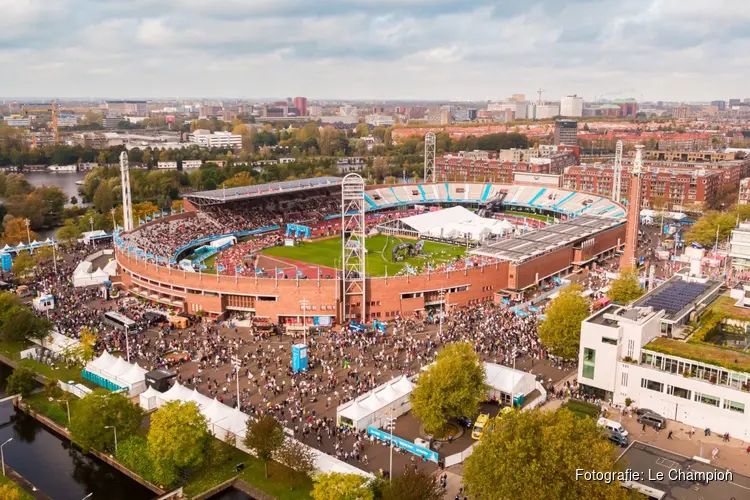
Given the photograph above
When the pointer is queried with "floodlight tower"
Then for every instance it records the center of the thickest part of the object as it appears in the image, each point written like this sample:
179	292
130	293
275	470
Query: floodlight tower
429	158
127	207
353	244
616	181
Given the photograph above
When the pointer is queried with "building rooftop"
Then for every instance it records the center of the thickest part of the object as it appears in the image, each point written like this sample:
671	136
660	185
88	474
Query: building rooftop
679	296
702	352
535	244
256	191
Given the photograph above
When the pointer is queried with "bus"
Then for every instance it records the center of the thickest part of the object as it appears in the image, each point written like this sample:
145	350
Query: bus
646	491
479	425
119	321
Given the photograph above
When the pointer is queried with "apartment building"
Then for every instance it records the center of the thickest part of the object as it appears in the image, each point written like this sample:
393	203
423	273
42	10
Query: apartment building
215	140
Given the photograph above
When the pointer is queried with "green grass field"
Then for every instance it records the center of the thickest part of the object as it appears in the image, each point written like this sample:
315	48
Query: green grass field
379	254
529	215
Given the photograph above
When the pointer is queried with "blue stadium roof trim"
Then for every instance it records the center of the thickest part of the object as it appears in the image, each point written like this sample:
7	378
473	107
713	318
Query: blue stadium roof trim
218	196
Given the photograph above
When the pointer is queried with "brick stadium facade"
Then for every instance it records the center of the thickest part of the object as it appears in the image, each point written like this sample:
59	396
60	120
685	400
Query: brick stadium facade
279	299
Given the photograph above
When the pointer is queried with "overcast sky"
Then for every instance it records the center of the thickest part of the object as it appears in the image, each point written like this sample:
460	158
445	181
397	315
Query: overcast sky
689	50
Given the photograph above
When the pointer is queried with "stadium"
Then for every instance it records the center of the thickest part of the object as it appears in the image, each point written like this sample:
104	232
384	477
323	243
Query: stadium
330	249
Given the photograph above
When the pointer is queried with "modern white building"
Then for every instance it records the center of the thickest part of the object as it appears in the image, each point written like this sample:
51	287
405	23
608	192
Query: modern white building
518	108
167	165
377	120
571	106
216	140
739	246
639	353
542	110
347	110
17	121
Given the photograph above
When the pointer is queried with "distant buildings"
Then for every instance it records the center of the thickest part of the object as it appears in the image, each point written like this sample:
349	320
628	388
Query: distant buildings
120	108
681	112
377	120
518	109
628	107
542	110
17	121
571	106
347	110
301	104
215	140
745	192
566	132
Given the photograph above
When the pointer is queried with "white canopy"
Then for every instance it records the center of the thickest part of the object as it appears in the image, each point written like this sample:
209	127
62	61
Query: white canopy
103	362
134	375
507	380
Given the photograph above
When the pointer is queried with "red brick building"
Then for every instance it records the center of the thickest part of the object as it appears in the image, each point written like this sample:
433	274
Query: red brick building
458	168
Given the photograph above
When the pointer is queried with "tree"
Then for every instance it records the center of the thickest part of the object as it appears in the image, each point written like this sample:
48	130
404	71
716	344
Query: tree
264	436
69	233
21	381
412	485
9	491
20	323
15	232
103	198
561	331
133	453
178	434
535	454
96	412
299	461
452	387
626	288
704	229
73	200
83	352
338	486
22	264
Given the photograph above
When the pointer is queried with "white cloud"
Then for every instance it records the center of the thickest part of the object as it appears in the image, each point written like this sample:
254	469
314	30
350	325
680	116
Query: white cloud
425	49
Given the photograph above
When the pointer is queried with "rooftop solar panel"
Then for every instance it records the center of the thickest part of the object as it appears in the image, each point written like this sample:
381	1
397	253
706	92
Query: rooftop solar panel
676	296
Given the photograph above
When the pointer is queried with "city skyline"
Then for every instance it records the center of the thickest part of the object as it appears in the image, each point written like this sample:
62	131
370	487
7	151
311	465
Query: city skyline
376	50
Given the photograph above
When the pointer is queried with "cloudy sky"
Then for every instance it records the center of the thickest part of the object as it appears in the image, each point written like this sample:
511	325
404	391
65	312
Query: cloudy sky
376	49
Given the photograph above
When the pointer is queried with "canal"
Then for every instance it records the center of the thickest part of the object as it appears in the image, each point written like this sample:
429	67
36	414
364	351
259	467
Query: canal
49	462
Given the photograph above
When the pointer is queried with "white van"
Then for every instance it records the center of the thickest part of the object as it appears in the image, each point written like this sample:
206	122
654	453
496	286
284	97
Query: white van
612	426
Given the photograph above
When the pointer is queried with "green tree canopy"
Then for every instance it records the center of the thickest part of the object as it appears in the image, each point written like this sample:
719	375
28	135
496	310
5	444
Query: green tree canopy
626	287
452	387
23	263
19	323
561	331
338	486
97	411
21	381
412	485
534	454
178	434
264	436
69	233
704	229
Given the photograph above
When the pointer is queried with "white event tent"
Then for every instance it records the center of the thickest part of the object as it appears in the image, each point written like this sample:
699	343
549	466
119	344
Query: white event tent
373	407
456	223
113	373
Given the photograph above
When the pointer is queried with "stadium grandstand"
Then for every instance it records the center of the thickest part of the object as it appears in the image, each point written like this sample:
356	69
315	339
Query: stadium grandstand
272	245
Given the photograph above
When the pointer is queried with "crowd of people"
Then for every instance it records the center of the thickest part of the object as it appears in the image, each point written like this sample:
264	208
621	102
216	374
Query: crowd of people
240	259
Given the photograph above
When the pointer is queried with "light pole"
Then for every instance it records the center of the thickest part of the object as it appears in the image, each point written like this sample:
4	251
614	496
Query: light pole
68	405
28	231
2	457
442	312
54	256
390	424
304	305
114	223
114	429
237	364
127	343
91	221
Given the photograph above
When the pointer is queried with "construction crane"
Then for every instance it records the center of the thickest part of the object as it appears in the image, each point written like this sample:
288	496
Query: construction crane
53	111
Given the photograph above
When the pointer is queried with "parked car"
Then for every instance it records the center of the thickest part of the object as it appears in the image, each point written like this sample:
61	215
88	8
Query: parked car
617	438
641	411
652	419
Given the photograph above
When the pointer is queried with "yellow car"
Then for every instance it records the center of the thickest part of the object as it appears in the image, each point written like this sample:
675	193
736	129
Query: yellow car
479	425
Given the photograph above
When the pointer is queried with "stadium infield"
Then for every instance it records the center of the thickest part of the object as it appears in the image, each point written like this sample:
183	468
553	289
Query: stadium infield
379	254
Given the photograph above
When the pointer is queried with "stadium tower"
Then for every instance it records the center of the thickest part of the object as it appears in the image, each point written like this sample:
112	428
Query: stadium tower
353	246
630	254
127	206
429	158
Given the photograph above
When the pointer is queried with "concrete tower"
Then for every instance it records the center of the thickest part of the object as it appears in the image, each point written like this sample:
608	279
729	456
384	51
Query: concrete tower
630	254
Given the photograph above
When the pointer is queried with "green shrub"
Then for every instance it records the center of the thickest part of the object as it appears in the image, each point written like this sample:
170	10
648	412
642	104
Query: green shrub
133	453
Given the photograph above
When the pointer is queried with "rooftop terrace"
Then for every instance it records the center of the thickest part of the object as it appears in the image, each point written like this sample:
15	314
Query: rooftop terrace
703	353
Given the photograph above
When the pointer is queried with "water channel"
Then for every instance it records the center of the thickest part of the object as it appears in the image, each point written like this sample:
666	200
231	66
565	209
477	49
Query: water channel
49	462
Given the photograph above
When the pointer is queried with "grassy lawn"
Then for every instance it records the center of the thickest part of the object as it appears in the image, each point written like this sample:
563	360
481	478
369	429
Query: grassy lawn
54	410
253	474
24	494
724	305
527	214
11	349
583	409
730	359
379	254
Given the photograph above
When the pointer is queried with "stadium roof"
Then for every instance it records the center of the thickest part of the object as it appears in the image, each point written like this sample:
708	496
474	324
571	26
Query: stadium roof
218	196
538	243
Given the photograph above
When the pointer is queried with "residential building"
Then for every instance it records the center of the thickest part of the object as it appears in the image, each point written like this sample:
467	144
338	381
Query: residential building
744	191
739	245
517	108
17	121
445	117
571	106
566	132
191	164
415	112
690	156
301	104
167	165
681	112
516	155
315	111
111	121
215	140
477	165
720	105
347	110
637	353
377	120
465	115
120	108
